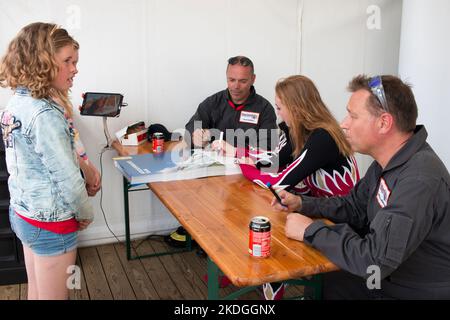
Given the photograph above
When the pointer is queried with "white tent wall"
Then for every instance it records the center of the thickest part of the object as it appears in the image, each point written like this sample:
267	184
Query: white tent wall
167	56
424	56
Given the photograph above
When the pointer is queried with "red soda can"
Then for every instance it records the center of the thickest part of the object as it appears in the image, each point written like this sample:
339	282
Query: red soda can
158	142
259	237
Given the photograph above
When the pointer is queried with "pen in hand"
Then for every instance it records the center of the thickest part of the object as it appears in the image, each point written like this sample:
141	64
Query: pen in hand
219	148
274	193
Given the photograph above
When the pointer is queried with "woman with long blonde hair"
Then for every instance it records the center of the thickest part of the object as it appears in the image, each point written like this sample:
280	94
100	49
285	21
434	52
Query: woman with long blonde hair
48	198
313	156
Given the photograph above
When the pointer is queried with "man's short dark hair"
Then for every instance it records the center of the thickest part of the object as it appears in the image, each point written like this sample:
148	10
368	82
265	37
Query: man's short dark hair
399	97
243	61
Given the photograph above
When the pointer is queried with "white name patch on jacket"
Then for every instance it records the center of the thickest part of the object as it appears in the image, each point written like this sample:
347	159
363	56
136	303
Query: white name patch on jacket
383	193
249	117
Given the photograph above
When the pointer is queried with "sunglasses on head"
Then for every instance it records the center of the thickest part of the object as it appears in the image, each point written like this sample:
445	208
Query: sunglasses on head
376	86
243	61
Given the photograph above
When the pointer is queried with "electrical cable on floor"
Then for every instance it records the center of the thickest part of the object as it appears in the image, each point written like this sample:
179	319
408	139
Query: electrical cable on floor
101	194
103	212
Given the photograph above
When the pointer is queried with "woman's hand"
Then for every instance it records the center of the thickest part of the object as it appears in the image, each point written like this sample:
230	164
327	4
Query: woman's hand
224	148
91	177
94	183
83	224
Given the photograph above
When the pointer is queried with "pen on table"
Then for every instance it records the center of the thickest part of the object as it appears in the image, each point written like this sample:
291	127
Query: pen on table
274	193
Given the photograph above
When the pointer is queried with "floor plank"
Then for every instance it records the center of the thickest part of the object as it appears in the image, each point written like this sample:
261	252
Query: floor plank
198	263
107	274
97	285
115	275
10	292
182	273
23	291
137	276
158	274
82	293
198	266
293	291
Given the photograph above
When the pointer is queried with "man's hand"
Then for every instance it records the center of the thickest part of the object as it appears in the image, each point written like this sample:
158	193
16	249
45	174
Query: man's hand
295	225
82	97
290	202
83	224
200	137
224	148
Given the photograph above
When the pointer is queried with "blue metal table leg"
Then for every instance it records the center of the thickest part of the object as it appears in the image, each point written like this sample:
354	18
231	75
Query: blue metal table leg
126	187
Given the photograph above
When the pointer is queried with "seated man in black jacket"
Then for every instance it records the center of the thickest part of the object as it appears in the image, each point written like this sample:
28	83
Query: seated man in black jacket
237	107
392	229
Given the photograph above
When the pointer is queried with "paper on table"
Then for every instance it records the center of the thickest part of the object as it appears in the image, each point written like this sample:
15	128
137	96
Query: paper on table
203	158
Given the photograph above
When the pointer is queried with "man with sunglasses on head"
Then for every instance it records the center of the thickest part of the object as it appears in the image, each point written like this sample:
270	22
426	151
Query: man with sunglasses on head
237	107
391	234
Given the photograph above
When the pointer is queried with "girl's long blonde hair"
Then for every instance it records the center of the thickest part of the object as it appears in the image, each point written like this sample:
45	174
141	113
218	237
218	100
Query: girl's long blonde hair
308	112
30	61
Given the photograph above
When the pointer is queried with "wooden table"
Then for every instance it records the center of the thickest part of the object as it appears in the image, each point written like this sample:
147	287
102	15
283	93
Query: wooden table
216	211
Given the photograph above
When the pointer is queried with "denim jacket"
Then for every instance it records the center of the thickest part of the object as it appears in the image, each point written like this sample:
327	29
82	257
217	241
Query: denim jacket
45	183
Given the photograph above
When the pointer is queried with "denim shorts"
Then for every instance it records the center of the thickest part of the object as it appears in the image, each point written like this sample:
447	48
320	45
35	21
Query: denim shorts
41	241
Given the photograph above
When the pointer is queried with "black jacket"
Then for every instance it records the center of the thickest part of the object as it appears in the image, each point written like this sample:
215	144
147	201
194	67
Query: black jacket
320	170
219	112
404	212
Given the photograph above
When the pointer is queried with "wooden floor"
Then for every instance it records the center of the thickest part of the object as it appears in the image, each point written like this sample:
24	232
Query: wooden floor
108	275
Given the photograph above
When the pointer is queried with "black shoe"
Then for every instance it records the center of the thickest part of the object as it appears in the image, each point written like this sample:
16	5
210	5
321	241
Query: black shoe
177	239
